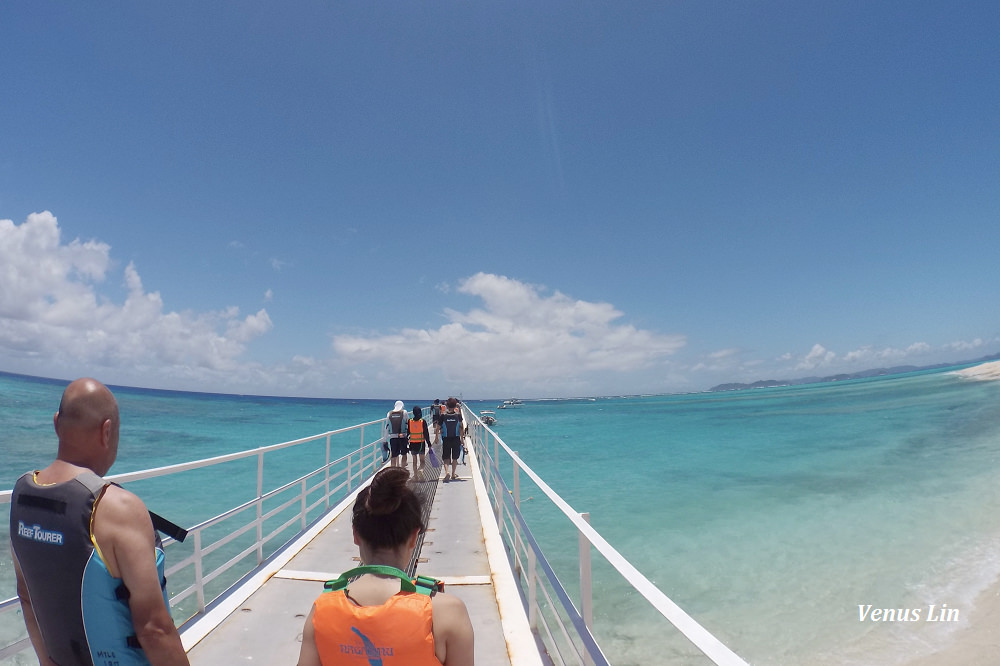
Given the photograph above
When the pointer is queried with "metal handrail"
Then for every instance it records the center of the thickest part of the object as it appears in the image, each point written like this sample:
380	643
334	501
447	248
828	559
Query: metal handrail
339	477
527	557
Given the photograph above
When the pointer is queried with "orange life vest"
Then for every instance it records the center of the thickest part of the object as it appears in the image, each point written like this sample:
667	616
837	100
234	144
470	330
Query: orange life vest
416	431
399	631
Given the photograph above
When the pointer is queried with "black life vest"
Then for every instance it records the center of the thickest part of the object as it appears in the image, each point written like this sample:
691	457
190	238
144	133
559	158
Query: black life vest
396	421
451	424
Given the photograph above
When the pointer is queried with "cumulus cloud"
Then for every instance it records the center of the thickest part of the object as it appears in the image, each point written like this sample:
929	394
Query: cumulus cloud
719	361
520	334
966	345
52	310
817	357
872	355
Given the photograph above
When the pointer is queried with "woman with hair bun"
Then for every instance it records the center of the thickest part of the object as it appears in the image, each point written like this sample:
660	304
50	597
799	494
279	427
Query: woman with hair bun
379	618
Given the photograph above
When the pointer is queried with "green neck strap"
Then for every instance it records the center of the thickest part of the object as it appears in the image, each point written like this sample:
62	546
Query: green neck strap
421	584
380	569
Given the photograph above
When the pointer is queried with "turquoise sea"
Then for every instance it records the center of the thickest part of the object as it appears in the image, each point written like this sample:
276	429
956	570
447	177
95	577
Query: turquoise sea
769	515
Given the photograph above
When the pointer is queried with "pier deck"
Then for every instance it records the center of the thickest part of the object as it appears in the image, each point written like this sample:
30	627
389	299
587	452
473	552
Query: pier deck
261	622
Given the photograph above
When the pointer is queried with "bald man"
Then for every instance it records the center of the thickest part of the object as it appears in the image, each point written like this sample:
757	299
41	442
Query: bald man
89	565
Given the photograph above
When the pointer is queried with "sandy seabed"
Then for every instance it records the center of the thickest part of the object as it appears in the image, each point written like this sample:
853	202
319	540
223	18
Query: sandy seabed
984	371
977	643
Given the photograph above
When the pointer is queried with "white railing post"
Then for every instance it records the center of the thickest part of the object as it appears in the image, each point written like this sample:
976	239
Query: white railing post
586	586
517	503
326	474
498	498
260	508
350	471
199	574
532	592
303	504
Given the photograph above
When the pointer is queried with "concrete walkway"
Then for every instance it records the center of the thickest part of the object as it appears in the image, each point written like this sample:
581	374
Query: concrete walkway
262	621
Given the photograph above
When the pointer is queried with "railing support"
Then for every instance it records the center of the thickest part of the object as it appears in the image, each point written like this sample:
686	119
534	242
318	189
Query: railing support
350	471
326	475
517	503
303	505
532	592
199	573
586	586
260	508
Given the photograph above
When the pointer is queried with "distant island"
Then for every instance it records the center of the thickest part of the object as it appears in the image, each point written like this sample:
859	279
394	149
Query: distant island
874	372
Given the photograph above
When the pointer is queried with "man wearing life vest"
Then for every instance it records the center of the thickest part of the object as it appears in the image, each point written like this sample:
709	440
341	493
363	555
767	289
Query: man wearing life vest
452	431
88	563
419	437
379	618
436	410
396	434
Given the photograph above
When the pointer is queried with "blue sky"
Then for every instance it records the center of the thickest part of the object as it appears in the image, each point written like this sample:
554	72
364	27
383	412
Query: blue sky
495	199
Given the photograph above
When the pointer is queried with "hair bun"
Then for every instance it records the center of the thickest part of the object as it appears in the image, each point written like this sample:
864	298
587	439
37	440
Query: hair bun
386	491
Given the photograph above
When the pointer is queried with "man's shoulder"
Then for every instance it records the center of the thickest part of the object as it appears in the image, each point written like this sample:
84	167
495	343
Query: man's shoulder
120	503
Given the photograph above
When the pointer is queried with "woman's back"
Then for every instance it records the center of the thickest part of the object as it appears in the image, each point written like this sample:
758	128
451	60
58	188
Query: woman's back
372	616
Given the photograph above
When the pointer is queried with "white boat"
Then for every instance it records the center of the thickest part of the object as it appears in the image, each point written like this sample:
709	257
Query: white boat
522	613
513	402
488	417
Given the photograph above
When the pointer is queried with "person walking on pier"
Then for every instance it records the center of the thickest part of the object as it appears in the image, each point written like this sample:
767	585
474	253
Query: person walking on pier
436	410
419	437
452	432
376	614
88	562
395	432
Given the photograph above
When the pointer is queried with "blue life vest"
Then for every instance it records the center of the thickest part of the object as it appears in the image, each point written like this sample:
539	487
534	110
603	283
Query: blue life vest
451	424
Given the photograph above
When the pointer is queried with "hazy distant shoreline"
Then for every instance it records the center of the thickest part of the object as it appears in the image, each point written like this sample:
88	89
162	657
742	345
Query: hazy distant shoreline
984	371
992	361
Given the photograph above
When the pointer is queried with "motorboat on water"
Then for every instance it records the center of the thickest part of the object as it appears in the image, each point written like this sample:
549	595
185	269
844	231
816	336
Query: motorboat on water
488	416
513	402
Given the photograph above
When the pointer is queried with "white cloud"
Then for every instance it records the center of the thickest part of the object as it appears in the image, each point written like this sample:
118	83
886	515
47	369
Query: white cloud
871	355
817	357
723	360
519	336
964	345
51	310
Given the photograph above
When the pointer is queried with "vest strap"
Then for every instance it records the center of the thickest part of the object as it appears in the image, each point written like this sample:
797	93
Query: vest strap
169	528
421	584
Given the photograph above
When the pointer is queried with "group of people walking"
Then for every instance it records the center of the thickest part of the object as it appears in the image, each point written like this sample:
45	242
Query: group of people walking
89	563
405	434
